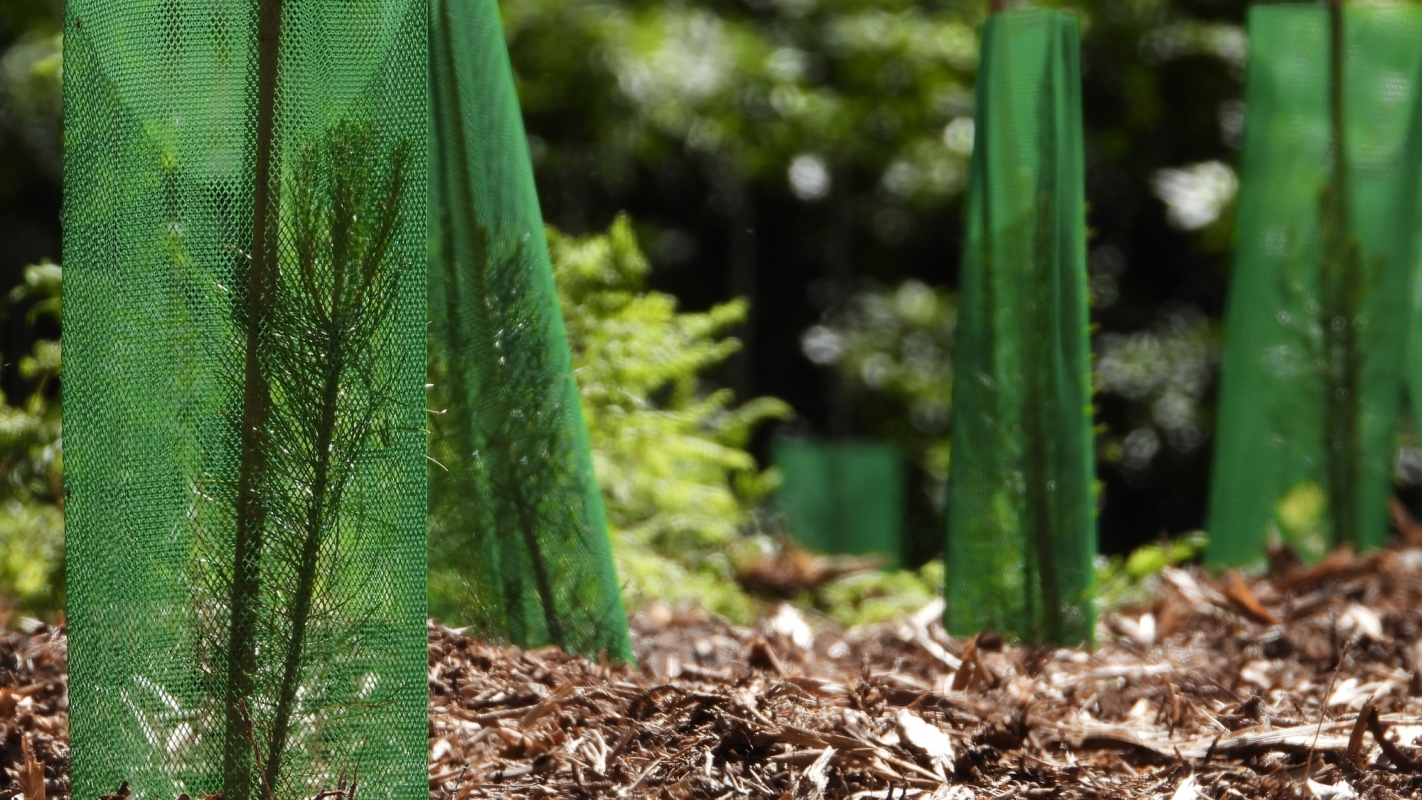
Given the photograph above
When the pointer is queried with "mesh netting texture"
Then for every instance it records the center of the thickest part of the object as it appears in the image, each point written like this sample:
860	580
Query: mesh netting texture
1312	373
1021	517
843	497
518	543
245	249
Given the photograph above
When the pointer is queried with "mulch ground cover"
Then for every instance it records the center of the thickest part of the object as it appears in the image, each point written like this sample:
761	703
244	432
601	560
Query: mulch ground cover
1304	683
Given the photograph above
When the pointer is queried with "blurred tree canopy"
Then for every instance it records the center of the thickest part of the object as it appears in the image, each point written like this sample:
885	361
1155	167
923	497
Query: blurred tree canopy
809	156
30	114
30	74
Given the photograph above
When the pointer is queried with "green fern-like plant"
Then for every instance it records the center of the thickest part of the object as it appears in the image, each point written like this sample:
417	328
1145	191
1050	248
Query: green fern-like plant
679	487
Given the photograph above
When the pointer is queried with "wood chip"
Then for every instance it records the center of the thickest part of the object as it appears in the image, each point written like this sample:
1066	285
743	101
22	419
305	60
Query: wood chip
812	782
1243	600
31	774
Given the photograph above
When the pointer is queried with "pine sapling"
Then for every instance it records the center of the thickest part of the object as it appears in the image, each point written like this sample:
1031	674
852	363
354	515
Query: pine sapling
323	359
1038	293
1343	293
513	441
327	362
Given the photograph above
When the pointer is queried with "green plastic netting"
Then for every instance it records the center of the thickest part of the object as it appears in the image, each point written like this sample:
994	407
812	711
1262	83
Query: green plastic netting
843	497
1021	517
518	538
1312	370
245	249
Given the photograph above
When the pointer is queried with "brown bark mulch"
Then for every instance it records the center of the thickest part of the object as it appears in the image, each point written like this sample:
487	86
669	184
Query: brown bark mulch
1301	684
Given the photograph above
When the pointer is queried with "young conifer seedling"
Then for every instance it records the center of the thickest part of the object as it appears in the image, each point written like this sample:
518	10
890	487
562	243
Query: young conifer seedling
245	455
1021	527
518	546
1313	359
1331	337
322	343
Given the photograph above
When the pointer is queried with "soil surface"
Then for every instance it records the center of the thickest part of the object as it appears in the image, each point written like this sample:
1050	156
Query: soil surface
1302	684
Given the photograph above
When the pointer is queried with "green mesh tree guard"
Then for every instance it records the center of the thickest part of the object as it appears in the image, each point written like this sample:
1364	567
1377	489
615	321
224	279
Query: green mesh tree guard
843	497
1021	518
1312	369
245	249
518	538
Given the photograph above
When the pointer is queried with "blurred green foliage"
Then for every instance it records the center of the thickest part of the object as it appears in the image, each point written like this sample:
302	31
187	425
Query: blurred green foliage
31	459
811	154
680	489
1132	579
31	72
747	86
30	145
894	348
1160	378
864	598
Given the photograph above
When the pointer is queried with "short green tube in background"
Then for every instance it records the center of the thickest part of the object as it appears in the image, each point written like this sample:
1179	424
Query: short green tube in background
843	497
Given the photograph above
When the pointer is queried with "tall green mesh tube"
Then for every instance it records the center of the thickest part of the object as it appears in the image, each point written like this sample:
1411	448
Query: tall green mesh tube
1312	370
245	249
518	544
1021	520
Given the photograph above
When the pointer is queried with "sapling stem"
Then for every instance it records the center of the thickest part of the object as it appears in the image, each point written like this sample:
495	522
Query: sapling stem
250	512
1342	292
1036	369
